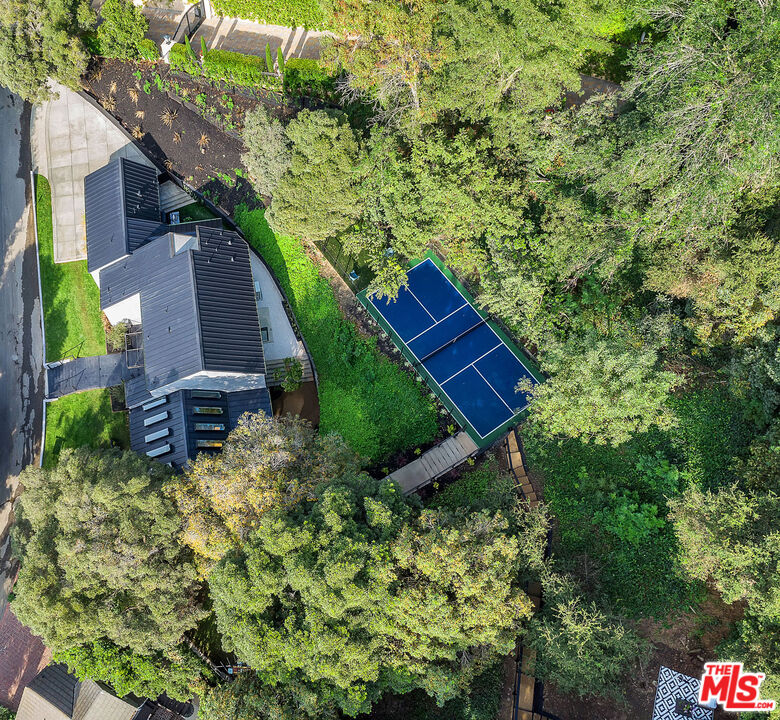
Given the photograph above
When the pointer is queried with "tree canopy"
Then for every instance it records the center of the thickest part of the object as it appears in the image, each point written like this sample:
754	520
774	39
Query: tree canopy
39	40
98	543
265	463
317	196
360	592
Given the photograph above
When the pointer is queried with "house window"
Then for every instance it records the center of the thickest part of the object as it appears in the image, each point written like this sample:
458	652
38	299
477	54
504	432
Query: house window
209	443
205	410
210	427
264	334
206	394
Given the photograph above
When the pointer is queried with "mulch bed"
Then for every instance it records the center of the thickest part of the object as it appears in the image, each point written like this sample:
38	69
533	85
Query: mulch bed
137	94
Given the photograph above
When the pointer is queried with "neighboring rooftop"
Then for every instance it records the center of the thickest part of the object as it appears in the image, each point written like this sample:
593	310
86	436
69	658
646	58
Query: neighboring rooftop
55	694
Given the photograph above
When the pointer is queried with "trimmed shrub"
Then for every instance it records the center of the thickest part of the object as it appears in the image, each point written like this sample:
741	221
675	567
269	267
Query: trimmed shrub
181	60
148	50
307	77
122	31
237	69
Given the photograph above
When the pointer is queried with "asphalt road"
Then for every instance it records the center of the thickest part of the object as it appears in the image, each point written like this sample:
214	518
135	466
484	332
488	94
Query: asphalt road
21	374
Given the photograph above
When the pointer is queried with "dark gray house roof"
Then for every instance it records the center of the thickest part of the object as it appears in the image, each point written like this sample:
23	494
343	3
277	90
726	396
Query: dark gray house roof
56	686
198	313
122	209
198	308
229	325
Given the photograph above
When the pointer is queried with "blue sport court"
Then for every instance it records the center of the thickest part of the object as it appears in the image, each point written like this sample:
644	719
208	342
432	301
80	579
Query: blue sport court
468	361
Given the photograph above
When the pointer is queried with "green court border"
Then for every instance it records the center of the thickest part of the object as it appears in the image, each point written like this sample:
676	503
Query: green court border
524	358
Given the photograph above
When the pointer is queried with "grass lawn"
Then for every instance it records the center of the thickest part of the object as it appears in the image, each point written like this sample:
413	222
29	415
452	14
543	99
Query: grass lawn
71	299
83	419
375	406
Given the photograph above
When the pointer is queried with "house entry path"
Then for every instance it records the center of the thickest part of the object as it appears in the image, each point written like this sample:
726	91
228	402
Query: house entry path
87	373
71	139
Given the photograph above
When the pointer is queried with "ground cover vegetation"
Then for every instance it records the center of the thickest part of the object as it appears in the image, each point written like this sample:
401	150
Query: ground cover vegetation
84	419
374	405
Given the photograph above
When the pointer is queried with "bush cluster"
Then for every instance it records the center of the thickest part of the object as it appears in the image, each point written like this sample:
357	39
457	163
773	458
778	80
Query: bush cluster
237	69
181	61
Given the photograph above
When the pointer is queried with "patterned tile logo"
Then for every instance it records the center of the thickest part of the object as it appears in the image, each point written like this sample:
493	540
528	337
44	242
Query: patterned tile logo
677	697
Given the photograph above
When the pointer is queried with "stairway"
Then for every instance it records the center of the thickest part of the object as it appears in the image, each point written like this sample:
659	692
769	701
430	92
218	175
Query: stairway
271	366
515	461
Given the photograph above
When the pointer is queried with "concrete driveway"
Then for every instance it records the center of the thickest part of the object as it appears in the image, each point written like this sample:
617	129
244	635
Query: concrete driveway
71	139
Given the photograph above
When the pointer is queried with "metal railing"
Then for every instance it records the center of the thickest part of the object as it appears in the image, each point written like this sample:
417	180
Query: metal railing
190	23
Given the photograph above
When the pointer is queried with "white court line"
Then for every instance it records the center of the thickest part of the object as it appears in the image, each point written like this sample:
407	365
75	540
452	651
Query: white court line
501	342
466	367
409	290
498	395
437	322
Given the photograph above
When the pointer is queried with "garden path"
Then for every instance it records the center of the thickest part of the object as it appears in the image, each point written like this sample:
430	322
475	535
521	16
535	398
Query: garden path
71	139
435	462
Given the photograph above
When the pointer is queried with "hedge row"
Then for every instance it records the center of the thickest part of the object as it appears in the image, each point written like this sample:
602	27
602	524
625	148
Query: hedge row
290	13
237	69
223	65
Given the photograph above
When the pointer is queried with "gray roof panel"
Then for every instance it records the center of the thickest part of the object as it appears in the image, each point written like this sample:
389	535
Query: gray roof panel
141	203
229	325
57	686
106	241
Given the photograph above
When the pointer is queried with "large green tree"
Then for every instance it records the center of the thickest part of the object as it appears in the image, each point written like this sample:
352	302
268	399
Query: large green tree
360	592
39	40
318	197
265	463
686	157
267	157
579	648
98	543
604	389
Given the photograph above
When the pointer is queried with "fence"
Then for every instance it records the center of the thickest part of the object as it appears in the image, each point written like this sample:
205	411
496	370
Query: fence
356	274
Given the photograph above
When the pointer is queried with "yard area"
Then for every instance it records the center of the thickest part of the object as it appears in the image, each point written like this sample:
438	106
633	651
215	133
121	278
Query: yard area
373	404
83	419
71	299
73	325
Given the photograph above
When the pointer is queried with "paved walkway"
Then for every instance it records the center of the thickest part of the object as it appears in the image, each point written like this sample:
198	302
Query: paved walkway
435	462
250	38
87	373
71	139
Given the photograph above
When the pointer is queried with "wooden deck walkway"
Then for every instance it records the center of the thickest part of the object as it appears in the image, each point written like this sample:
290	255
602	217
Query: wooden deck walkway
435	462
517	702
